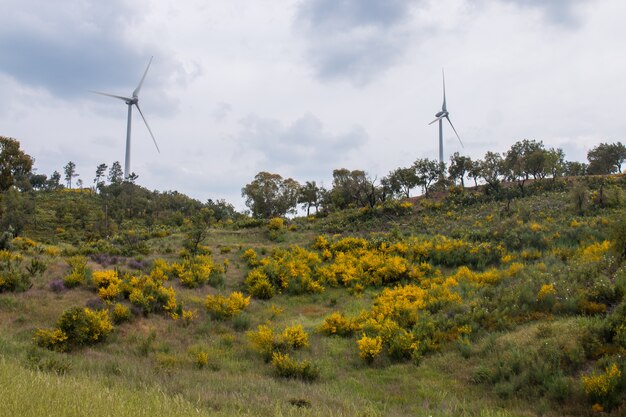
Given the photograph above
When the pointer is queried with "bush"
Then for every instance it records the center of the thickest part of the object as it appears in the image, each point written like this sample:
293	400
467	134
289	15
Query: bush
295	337
604	388
263	341
286	367
337	324
76	327
221	308
120	313
369	348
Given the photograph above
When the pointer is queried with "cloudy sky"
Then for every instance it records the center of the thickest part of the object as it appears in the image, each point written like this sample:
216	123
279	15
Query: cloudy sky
300	87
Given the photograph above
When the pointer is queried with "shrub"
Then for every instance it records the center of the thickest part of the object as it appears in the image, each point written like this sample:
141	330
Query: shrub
263	341
201	359
603	388
221	308
276	223
337	324
76	327
120	313
369	348
295	337
286	367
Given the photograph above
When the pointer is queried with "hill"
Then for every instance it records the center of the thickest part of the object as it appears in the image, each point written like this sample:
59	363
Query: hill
460	303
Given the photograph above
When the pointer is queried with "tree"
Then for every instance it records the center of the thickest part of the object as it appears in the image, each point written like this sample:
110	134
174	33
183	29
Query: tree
221	209
525	158
14	163
555	162
132	177
310	196
54	183
100	170
428	171
351	189
606	158
474	171
491	169
116	175
459	167
402	181
269	195
38	181
70	172
575	169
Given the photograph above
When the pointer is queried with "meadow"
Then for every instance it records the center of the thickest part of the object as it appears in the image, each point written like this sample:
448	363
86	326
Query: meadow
453	305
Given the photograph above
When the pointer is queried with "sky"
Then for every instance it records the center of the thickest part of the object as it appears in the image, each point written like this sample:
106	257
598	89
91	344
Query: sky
302	87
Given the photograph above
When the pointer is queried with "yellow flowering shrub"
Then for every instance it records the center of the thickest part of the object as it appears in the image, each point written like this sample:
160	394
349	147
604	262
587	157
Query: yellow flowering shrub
594	252
603	388
220	307
295	337
286	367
369	348
250	257
276	223
546	290
263	340
120	313
78	271
76	327
337	324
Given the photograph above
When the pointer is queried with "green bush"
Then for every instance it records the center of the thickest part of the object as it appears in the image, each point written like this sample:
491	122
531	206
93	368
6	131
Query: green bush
286	367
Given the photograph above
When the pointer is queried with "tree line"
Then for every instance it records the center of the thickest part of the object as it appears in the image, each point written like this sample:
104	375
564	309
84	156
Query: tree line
270	195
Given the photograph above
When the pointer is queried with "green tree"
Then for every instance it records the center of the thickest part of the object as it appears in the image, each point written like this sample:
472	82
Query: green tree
460	166
70	172
474	172
575	169
492	169
555	162
269	195
221	210
310	196
402	181
14	163
100	172
606	158
116	175
54	182
428	171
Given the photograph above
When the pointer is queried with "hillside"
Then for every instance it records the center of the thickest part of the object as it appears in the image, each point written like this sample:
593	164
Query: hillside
454	304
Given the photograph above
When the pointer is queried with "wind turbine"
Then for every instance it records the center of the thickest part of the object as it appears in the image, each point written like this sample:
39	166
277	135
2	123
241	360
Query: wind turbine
132	101
443	114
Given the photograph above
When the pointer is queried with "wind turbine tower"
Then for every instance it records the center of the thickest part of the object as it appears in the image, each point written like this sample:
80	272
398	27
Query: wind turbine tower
130	102
443	114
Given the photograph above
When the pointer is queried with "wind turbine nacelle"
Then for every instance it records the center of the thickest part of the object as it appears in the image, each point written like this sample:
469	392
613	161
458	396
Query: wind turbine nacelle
441	114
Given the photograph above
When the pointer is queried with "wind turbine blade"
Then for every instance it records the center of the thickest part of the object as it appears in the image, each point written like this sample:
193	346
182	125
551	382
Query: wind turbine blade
443	76
136	92
437	119
111	95
457	135
148	126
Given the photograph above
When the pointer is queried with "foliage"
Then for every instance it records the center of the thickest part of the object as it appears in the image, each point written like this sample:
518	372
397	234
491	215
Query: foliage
75	328
222	308
286	367
369	348
269	195
14	163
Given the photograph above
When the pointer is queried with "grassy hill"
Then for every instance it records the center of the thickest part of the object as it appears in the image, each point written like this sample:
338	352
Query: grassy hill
458	304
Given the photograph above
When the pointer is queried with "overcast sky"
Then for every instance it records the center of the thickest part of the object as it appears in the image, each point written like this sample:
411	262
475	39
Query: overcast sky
302	87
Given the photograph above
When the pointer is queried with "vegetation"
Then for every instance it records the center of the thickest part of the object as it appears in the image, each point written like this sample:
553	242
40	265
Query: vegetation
504	299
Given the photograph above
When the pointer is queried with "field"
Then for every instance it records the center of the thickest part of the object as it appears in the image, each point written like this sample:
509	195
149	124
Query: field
457	305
